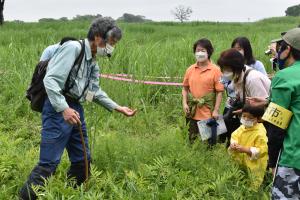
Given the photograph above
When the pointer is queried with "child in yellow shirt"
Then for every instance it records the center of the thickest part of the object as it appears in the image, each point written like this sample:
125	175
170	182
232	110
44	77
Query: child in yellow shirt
248	145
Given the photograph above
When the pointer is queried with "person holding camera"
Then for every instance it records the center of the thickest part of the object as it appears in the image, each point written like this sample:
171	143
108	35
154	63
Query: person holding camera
243	45
247	82
273	52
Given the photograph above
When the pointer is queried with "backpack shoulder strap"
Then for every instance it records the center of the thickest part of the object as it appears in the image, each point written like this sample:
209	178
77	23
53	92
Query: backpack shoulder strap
244	84
78	62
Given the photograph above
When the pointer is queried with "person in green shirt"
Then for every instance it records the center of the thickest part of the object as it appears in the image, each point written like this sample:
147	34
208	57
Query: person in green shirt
285	92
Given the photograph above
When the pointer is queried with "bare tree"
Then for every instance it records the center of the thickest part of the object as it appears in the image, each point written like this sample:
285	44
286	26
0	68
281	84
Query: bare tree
1	11
182	13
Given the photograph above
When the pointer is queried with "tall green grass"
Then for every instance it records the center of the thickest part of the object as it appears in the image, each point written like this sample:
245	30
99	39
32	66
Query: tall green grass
145	157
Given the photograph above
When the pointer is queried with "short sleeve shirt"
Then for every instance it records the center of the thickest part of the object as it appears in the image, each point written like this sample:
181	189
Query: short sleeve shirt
201	81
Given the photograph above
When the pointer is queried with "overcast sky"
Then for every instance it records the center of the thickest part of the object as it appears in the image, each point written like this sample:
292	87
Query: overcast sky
158	10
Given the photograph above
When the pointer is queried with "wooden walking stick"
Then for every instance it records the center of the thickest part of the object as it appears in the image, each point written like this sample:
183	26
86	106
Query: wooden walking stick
86	163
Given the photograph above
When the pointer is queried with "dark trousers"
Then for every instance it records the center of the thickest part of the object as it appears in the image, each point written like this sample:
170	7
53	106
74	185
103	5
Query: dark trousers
56	135
275	142
193	129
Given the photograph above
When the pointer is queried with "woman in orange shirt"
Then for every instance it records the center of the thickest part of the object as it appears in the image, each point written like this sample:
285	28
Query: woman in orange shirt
202	82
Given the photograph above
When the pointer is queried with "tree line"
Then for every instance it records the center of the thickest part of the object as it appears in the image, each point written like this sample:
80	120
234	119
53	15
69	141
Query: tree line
181	13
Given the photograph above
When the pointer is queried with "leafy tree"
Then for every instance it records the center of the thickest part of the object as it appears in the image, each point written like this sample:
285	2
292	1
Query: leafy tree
18	21
182	13
293	11
76	18
133	18
86	17
63	19
47	20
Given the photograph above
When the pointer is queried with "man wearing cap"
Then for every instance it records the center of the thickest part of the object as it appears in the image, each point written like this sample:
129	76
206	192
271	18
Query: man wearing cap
285	92
62	111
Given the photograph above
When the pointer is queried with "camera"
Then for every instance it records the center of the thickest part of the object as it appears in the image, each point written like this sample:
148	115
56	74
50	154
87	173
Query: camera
235	105
268	52
272	49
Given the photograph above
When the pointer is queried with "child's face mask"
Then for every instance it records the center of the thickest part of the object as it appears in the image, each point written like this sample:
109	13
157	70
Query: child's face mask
247	123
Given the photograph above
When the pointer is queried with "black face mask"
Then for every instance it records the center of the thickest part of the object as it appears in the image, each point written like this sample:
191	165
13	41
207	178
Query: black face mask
274	64
281	62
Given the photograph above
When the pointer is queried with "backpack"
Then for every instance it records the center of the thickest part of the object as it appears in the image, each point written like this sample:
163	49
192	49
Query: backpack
36	92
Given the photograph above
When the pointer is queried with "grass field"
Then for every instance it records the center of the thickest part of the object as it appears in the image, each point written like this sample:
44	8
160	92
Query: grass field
145	157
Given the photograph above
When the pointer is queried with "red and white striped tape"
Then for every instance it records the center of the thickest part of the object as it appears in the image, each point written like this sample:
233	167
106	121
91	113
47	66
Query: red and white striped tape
128	78
154	77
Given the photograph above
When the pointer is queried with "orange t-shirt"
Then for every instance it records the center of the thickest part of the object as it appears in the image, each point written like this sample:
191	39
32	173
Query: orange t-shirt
201	81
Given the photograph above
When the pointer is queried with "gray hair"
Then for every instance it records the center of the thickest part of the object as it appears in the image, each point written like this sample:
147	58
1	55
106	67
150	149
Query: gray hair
104	27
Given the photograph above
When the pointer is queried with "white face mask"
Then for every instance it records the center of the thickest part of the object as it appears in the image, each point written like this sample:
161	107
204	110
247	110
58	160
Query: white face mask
106	51
228	75
101	52
201	56
247	123
109	49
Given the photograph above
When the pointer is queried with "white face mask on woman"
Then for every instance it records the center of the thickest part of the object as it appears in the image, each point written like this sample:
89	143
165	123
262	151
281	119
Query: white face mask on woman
201	56
228	75
247	123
